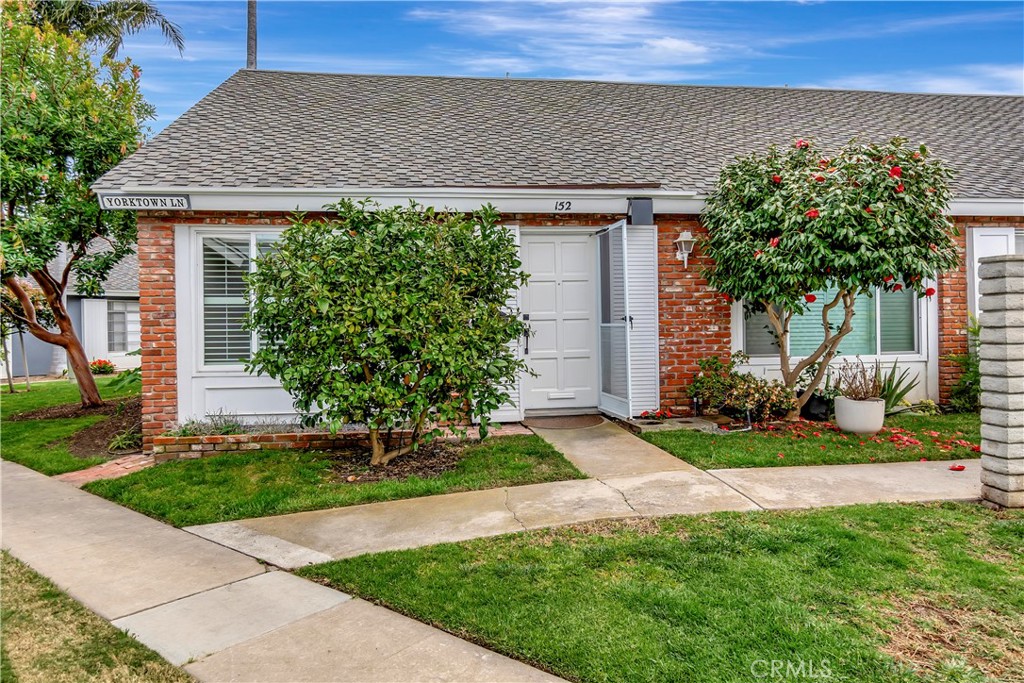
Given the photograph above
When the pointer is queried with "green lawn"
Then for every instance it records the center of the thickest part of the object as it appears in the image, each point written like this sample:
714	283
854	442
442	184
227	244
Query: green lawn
237	485
38	443
809	443
50	638
869	593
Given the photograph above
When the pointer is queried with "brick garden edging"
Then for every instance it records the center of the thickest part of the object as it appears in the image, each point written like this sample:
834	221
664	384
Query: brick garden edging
190	447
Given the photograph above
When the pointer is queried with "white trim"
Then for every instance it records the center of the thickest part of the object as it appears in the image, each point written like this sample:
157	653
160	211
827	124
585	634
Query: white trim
505	200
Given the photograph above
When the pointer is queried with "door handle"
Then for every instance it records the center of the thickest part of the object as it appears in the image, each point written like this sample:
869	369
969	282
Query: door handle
526	350
628	318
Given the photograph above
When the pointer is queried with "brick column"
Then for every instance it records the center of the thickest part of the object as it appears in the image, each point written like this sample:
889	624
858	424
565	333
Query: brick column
1002	380
157	313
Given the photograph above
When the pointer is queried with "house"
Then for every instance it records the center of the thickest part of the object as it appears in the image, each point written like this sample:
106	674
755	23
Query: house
598	180
108	326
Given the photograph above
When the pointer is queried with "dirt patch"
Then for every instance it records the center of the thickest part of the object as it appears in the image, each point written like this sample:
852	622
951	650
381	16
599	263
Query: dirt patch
925	634
93	441
430	460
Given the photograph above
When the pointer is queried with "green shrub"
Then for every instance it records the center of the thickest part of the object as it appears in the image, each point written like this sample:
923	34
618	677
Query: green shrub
719	387
965	397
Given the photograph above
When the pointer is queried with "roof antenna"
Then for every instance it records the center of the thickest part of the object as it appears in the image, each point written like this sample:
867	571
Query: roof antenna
250	42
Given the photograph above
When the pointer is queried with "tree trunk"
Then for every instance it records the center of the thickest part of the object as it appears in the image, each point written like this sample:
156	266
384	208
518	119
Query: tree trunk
65	338
24	360
7	367
376	447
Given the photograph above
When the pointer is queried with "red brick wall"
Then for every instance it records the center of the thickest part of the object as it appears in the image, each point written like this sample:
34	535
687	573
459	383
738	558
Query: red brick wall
695	321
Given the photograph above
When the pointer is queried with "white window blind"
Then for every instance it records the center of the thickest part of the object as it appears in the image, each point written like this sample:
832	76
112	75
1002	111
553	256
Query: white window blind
226	260
225	265
123	326
883	324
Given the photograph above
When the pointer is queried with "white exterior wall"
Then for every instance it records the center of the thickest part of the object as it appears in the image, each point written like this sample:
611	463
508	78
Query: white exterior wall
94	336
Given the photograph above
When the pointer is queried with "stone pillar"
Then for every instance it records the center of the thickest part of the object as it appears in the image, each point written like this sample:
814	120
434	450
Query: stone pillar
1002	380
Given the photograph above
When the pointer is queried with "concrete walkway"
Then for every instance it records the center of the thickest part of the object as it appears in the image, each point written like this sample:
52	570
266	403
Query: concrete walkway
220	613
632	478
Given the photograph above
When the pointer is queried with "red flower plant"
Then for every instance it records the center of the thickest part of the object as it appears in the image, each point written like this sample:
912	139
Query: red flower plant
820	178
887	278
773	242
802	144
900	188
776	179
895	172
897	287
868	209
930	291
813	213
758	253
810	298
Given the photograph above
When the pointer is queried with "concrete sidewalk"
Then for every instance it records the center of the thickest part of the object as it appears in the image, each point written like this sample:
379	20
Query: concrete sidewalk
294	540
220	613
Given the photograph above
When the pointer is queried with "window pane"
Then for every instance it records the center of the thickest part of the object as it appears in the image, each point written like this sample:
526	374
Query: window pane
1018	241
225	265
806	332
117	329
759	339
899	317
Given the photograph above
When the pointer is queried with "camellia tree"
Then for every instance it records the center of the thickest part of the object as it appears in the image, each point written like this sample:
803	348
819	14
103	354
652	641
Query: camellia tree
392	317
788	223
67	119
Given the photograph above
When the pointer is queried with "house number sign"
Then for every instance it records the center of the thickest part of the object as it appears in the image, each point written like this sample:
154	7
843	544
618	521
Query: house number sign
144	201
564	205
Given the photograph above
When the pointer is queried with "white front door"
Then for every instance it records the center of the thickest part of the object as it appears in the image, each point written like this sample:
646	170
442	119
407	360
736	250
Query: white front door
559	303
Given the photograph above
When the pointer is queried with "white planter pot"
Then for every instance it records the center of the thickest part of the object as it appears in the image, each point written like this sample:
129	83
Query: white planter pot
860	417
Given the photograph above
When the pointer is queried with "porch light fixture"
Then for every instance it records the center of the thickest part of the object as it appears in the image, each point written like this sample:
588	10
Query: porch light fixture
684	247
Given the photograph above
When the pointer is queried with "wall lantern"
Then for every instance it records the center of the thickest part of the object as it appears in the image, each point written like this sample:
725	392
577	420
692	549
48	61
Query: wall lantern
684	247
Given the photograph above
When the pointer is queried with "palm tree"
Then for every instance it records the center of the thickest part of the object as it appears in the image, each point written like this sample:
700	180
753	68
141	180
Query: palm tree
107	22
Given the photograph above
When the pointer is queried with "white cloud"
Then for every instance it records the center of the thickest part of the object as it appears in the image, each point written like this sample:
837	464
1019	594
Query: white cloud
972	79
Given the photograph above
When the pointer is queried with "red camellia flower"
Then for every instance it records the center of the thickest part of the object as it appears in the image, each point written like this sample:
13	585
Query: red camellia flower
758	253
774	242
887	278
820	178
897	287
823	163
930	291
802	144
895	172
813	213
868	209
899	188
776	179
810	298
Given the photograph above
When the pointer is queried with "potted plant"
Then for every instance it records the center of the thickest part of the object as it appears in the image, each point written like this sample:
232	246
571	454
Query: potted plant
860	407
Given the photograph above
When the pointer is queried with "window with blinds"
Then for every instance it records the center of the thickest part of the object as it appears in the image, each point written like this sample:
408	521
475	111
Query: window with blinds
226	260
123	326
885	323
225	265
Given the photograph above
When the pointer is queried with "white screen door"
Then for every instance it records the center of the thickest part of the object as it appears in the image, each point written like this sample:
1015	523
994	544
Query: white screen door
615	322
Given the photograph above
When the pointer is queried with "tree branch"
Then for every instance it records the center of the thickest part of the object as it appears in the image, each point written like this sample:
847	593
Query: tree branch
29	310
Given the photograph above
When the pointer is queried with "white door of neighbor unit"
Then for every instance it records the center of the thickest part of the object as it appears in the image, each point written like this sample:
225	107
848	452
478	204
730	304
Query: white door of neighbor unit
559	304
616	322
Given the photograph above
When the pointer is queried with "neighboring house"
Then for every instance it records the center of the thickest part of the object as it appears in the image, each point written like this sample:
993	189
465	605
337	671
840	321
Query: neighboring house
597	179
109	326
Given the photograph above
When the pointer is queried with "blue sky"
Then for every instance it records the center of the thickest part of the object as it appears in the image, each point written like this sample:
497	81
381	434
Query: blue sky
951	47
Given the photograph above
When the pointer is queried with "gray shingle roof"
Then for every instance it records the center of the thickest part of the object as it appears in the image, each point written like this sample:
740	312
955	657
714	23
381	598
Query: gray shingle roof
122	280
262	129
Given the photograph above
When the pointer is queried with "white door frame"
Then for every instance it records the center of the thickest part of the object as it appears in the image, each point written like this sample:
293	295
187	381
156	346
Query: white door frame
616	406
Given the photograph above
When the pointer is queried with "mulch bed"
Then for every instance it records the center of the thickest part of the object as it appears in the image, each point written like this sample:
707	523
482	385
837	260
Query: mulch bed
91	442
430	460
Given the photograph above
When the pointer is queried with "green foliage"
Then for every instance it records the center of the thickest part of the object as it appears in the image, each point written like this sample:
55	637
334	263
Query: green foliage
102	366
873	228
965	397
127	440
391	317
12	319
106	23
719	386
787	223
67	120
895	386
215	424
